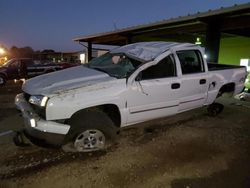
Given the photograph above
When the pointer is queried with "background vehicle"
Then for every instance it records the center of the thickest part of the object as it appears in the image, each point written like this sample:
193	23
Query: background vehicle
65	65
26	68
83	107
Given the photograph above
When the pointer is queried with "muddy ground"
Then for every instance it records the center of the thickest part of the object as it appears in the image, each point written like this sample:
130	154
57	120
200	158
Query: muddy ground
189	150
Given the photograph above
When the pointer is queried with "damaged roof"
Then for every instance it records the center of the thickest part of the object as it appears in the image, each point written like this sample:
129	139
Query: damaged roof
147	51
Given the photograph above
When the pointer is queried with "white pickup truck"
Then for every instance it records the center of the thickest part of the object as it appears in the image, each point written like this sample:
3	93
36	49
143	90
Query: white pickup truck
85	106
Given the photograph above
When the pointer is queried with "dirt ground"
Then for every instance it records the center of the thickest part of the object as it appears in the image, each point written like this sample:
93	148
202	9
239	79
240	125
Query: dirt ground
189	150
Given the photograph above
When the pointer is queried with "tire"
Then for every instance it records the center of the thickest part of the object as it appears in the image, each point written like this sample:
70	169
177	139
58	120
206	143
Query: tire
214	109
2	80
90	131
19	140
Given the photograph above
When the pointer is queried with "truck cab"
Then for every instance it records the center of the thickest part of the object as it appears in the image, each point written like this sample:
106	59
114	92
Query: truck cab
175	81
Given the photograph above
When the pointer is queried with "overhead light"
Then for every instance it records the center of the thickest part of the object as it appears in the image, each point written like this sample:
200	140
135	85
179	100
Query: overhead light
2	51
198	41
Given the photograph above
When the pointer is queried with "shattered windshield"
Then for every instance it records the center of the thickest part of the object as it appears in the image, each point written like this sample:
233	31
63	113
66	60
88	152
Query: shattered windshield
115	65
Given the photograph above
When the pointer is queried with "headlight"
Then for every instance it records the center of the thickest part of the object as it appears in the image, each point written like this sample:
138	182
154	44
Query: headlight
38	100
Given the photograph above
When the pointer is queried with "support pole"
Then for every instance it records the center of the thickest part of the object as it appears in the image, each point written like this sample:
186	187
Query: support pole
213	36
89	51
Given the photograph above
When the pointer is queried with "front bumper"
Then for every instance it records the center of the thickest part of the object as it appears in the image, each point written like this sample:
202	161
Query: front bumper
38	130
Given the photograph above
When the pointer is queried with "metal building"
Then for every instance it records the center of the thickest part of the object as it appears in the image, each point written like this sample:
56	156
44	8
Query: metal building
208	27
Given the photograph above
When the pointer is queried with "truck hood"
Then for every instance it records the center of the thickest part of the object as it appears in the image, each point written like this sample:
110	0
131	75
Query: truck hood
61	81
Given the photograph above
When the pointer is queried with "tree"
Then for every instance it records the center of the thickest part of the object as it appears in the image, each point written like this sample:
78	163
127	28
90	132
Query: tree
26	52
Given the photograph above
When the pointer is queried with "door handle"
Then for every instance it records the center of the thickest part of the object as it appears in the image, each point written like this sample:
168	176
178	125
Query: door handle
203	81
175	85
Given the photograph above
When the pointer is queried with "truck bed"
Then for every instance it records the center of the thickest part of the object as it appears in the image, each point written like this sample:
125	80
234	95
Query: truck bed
215	66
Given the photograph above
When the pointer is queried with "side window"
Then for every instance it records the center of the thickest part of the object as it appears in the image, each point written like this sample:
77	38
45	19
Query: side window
191	61
165	68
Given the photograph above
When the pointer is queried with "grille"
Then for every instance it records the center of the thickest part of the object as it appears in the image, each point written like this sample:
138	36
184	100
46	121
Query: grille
40	111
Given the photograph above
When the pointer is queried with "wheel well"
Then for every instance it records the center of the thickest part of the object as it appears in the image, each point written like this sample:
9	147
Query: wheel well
227	88
111	110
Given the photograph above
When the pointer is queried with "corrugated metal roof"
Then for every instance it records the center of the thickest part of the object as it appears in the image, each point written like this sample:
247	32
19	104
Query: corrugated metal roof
190	17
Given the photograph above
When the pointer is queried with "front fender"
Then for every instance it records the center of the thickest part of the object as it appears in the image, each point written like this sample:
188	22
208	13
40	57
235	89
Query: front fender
64	105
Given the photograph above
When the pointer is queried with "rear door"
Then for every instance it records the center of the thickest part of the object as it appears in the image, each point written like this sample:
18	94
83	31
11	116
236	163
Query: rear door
194	79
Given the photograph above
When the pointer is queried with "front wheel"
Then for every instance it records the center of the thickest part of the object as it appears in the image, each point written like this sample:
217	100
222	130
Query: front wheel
90	131
2	80
90	140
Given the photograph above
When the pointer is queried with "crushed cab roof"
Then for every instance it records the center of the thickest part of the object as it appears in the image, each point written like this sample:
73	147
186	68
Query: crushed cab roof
146	51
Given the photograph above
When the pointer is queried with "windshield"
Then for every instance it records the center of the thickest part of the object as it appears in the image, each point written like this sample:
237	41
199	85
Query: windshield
115	65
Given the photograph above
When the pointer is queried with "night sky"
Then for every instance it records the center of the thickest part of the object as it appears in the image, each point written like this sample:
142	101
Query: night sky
52	24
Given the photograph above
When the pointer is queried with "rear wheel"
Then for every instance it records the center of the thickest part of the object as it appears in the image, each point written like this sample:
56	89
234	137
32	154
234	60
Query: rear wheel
214	109
90	131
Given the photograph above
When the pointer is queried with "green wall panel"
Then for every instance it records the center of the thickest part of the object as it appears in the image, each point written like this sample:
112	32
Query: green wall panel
232	49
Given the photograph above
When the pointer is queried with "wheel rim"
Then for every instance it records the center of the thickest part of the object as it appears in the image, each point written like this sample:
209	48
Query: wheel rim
90	140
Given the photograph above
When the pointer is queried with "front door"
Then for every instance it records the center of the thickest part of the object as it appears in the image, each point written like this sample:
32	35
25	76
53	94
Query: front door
153	94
